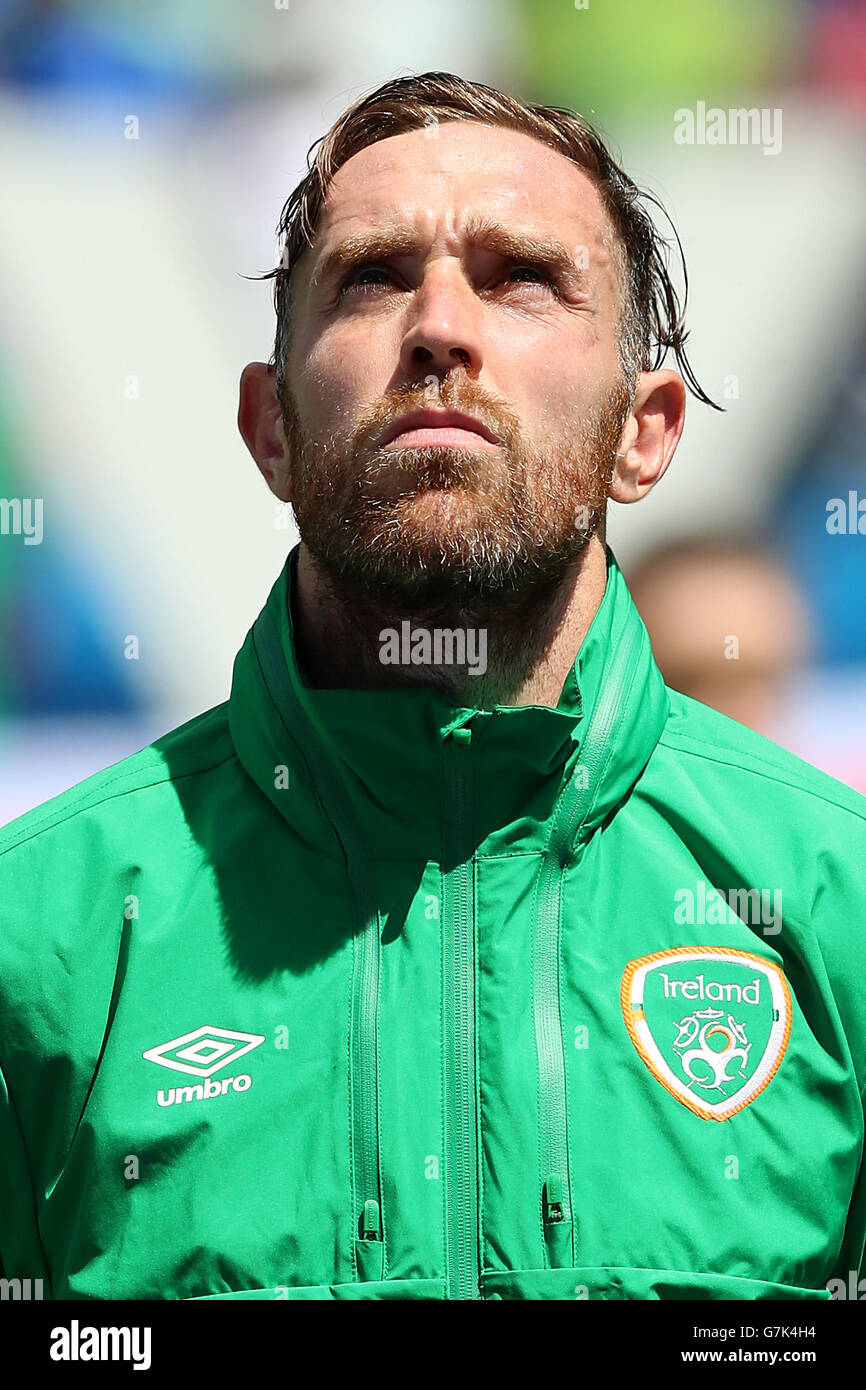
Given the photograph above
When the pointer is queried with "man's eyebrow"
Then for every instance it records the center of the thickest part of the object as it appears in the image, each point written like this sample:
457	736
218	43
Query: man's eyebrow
393	239
379	244
514	244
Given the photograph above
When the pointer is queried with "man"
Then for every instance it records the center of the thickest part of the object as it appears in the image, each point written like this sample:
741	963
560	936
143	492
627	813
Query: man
453	957
726	622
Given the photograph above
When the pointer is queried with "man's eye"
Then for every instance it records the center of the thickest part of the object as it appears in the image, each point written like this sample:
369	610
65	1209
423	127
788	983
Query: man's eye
356	280
369	278
530	274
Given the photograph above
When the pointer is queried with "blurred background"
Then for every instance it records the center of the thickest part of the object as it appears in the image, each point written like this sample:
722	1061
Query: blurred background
145	153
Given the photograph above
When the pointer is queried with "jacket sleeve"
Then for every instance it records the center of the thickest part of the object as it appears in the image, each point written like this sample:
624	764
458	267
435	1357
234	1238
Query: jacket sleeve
849	1275
839	918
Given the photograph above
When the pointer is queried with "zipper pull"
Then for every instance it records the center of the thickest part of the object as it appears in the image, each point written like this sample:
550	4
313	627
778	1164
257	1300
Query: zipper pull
371	1222
558	1225
462	737
553	1199
370	1247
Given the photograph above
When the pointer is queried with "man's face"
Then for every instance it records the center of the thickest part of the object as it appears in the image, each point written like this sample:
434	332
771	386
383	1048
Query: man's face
461	269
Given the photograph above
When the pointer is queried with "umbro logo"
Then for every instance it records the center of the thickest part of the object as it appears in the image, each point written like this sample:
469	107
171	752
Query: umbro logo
201	1053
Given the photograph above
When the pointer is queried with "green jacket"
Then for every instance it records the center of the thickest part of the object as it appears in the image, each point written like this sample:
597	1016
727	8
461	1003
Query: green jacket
349	994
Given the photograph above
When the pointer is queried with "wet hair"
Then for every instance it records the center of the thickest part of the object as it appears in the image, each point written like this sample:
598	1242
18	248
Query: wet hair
652	317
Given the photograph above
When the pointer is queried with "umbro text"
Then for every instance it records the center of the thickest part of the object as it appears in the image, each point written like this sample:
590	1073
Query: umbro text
203	1091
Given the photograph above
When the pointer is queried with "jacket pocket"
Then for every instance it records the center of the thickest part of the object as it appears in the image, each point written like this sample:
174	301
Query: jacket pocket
623	1283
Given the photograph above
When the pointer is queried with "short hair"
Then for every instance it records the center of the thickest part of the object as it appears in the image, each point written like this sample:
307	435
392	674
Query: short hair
652	318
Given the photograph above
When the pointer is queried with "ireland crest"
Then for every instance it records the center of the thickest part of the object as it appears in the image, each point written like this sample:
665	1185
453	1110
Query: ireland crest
712	1024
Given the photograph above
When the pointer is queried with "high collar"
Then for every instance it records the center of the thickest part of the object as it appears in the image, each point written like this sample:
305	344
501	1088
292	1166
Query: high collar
339	764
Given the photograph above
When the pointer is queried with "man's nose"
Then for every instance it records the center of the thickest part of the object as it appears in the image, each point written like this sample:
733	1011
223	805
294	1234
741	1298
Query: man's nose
444	324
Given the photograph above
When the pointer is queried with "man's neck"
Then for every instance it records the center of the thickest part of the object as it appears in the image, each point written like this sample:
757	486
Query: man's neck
522	646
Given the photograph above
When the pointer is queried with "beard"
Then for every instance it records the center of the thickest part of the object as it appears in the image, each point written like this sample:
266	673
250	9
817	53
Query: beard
444	528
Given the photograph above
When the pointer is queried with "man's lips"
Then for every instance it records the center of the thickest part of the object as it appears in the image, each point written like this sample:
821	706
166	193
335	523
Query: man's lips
422	428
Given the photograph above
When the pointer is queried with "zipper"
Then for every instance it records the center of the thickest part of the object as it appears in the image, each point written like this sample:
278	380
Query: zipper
556	1206
363	1024
575	805
458	961
368	1229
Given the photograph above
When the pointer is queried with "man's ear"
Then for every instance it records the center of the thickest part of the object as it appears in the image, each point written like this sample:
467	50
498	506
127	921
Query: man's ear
260	421
650	435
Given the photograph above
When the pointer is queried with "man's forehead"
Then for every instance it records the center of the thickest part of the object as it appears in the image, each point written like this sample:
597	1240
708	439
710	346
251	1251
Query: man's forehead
459	167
